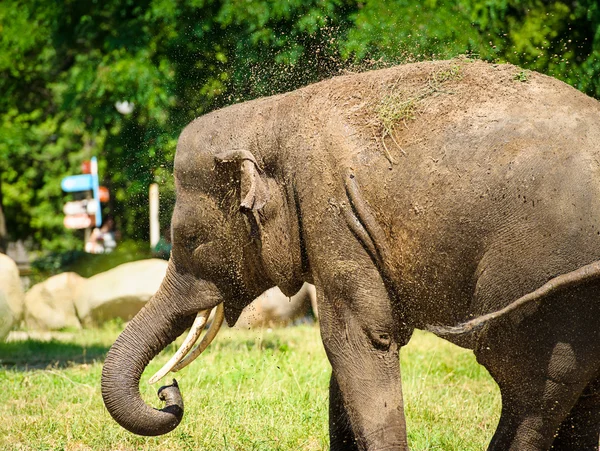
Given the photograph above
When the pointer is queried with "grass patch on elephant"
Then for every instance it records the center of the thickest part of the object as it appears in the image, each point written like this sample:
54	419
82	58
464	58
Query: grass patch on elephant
397	107
251	390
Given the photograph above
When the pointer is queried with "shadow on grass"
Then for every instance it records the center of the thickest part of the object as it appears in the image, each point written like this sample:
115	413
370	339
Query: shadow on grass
36	354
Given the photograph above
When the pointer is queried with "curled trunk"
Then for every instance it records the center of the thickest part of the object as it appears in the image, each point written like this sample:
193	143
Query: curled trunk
147	334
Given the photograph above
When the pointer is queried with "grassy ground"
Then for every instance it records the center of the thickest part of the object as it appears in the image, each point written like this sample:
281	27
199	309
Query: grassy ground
251	390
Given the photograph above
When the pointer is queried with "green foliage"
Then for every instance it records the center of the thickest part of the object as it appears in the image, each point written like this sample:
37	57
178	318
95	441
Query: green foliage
558	38
63	65
403	31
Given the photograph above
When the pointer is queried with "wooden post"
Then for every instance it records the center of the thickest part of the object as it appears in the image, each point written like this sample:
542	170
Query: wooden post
154	224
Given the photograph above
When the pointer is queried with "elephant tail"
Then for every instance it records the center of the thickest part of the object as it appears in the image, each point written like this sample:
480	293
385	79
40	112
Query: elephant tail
571	279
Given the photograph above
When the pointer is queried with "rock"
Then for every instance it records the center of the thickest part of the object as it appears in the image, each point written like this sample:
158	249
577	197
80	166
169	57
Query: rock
50	305
273	308
6	316
10	284
120	292
37	335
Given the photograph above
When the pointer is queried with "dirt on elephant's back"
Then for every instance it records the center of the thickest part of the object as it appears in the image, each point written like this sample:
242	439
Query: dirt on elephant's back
400	107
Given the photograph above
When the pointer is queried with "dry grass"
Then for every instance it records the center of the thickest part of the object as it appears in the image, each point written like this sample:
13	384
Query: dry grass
398	107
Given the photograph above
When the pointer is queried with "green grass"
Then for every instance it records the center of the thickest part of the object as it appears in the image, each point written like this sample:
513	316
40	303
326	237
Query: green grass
251	390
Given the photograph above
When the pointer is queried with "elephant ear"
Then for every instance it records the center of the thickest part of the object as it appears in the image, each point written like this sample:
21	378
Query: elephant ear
265	205
254	187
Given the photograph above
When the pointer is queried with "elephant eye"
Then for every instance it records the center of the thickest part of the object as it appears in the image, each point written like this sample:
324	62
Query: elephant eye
190	241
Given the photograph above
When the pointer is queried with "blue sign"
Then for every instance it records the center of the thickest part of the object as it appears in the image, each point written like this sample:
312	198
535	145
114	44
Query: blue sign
82	182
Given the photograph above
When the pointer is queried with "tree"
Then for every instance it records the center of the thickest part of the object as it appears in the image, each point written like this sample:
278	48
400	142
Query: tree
178	59
557	38
174	61
2	224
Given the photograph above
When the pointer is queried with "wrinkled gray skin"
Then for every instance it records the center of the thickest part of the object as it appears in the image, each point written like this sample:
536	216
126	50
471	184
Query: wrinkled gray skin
485	205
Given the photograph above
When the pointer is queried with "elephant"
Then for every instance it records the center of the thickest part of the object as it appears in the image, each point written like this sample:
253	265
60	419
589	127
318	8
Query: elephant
457	196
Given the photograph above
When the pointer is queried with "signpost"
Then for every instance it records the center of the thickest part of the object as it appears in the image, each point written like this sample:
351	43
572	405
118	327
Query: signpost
154	224
103	194
96	190
78	221
81	214
76	207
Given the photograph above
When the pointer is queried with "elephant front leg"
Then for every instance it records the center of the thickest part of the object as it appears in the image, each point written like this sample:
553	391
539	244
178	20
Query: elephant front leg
341	435
362	343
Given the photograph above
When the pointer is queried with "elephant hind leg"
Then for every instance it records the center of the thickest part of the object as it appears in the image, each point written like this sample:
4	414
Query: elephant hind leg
581	429
542	363
527	423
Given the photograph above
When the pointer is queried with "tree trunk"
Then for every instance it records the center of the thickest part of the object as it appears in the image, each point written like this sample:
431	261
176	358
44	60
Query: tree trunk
3	231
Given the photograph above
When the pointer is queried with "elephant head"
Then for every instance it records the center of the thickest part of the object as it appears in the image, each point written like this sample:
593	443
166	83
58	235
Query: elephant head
235	232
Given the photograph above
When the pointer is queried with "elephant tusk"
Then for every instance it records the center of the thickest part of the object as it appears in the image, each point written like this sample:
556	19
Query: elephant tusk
212	332
188	343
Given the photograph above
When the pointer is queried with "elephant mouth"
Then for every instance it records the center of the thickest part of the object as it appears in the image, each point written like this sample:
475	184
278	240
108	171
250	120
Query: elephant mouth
183	357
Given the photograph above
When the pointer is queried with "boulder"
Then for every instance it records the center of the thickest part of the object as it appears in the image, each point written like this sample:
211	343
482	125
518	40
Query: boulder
50	305
6	316
120	292
10	284
273	308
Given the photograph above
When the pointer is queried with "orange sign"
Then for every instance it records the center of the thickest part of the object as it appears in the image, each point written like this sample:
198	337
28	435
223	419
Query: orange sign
86	167
103	194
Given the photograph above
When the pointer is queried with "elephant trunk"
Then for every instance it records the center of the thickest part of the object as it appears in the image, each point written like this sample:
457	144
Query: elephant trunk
166	316
145	336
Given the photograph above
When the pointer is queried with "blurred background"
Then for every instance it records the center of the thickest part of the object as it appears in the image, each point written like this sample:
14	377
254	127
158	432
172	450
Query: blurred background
119	79
104	87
